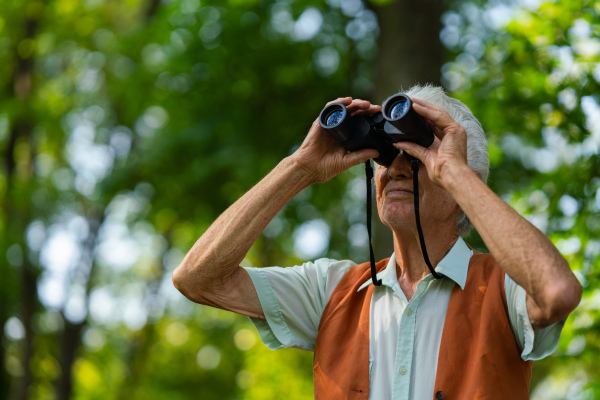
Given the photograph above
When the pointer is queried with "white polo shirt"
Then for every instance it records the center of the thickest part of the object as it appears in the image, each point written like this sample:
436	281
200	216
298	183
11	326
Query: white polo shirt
404	337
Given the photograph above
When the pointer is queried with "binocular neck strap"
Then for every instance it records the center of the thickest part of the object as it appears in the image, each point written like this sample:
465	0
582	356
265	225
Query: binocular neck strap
369	173
414	164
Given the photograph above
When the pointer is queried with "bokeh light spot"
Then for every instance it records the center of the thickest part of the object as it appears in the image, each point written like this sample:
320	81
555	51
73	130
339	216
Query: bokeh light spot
208	357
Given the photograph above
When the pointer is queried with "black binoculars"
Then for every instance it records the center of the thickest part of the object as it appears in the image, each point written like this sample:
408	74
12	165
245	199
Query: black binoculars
397	122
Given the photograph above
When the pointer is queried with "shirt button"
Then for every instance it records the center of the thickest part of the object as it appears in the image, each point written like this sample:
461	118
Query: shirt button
439	395
403	371
408	312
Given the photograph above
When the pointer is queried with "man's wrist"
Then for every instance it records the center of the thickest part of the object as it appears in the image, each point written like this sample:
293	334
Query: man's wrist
299	171
456	176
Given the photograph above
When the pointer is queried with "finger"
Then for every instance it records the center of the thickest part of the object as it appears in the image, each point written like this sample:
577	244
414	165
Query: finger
315	125
316	130
436	131
344	100
435	114
413	149
425	103
373	109
358	157
358	105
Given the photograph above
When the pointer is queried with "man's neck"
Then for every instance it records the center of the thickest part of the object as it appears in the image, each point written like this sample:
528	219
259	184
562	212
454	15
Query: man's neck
410	264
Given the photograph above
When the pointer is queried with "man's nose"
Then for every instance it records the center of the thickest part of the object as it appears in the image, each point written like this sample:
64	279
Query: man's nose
400	168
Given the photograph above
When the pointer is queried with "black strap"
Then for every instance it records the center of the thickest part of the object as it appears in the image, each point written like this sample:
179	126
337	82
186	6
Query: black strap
414	165
369	173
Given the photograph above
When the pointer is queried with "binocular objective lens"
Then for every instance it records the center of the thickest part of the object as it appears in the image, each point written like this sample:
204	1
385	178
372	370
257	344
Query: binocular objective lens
334	118
399	109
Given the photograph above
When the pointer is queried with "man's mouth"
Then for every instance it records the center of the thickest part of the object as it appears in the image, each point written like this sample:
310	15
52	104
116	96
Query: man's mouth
398	192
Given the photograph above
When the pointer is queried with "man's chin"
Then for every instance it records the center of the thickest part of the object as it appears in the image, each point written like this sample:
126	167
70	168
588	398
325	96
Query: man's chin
398	211
395	220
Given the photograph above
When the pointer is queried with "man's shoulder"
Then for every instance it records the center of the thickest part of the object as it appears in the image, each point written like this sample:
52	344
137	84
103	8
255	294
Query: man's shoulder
481	259
330	263
331	268
483	267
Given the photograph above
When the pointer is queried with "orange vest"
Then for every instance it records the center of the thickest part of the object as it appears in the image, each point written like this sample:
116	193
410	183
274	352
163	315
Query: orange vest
478	358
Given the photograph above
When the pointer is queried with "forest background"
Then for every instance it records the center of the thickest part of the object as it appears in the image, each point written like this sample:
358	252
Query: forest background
128	126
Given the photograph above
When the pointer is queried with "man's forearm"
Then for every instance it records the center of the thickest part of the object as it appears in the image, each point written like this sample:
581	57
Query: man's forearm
523	251
219	251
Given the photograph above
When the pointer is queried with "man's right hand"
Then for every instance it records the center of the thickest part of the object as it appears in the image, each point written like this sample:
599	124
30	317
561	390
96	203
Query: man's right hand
321	157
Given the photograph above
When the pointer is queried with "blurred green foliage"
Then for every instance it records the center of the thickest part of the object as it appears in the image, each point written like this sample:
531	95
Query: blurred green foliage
126	127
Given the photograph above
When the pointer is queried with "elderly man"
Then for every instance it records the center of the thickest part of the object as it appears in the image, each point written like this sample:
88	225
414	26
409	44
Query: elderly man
470	335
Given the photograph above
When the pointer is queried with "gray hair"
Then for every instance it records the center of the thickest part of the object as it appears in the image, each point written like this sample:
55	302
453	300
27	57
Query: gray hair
477	151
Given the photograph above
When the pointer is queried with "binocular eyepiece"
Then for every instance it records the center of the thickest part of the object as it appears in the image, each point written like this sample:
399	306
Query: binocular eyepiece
397	122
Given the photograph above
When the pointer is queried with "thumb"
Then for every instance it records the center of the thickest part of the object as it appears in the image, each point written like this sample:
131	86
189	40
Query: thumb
413	149
359	157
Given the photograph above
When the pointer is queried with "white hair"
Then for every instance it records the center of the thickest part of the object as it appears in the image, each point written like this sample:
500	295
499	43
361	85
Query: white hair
477	151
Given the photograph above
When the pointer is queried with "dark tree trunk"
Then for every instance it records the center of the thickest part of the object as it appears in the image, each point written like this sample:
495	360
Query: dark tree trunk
409	52
19	181
69	344
4	378
28	307
27	282
152	9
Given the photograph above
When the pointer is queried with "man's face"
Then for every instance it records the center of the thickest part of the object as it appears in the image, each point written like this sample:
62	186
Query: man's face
395	201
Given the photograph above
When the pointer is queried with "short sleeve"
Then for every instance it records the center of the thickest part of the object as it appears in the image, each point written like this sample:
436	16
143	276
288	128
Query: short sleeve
293	300
535	344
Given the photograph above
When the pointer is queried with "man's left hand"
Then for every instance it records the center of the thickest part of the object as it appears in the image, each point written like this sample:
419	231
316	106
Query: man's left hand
448	153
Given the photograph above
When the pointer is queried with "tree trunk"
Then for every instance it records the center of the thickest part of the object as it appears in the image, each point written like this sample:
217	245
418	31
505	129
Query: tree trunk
409	52
70	341
28	307
18	185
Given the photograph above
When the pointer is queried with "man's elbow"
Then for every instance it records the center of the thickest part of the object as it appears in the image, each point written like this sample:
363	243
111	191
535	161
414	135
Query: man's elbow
178	278
562	299
572	296
195	283
183	281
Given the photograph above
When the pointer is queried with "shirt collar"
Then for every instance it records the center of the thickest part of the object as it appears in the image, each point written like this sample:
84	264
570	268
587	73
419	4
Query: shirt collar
454	265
